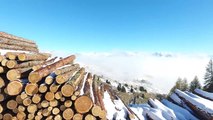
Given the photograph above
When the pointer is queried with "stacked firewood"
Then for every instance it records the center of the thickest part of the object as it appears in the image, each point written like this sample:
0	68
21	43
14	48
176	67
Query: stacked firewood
51	91
35	86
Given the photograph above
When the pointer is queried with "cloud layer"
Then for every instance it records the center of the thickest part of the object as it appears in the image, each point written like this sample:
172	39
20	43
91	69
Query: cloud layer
162	70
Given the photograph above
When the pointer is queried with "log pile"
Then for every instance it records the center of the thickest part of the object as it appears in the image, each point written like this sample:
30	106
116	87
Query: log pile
11	42
180	105
35	86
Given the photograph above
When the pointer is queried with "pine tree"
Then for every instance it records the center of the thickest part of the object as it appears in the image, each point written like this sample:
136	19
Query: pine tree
194	84
208	85
180	84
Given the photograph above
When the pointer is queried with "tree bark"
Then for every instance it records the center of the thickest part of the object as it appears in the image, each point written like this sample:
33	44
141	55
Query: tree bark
20	48
37	56
9	36
37	75
18	43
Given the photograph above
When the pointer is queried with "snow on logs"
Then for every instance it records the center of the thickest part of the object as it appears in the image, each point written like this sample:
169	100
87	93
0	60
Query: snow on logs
34	86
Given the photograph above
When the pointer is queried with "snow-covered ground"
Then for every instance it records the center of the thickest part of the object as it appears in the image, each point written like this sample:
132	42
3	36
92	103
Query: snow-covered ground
183	106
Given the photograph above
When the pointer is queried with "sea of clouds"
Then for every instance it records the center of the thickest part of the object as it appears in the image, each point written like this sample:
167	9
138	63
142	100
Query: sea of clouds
160	69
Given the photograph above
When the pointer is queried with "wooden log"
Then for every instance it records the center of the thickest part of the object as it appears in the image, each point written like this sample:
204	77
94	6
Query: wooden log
60	79
36	67
76	79
2	97
62	107
49	96
23	95
43	72
14	88
49	79
54	103
55	111
89	117
203	115
46	112
49	117
27	101
18	73
1	108
38	56
78	116
21	108
87	85
66	69
45	103
3	69
15	42
30	116
42	88
54	87
19	100
63	99
31	89
58	95
12	55
79	87
11	63
67	90
68	103
95	90
4	62
7	116
96	110
68	114
14	47
21	115
100	98
2	83
204	94
14	64
58	117
32	108
83	104
36	98
9	36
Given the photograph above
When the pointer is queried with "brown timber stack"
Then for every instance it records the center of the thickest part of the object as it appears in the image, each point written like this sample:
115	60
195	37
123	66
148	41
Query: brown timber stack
35	87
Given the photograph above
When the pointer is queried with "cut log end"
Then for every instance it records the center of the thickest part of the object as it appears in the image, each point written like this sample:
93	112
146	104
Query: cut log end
68	114
12	104
22	57
83	104
7	116
14	88
13	75
21	115
34	77
78	117
90	117
60	79
67	90
2	83
49	96
96	110
32	108
31	89
11	64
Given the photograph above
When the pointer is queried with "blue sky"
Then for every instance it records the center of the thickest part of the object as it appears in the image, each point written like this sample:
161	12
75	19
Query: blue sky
107	25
